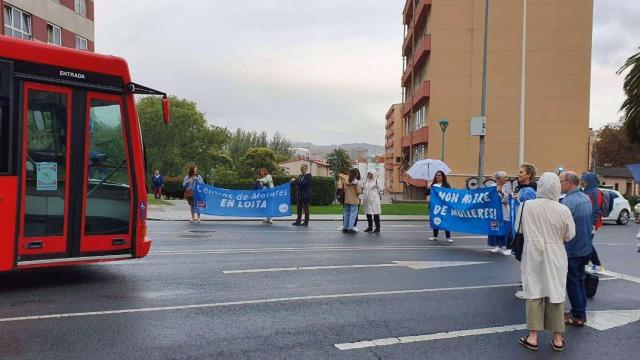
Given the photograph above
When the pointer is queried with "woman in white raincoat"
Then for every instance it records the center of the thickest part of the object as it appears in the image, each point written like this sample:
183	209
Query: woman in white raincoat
371	201
546	225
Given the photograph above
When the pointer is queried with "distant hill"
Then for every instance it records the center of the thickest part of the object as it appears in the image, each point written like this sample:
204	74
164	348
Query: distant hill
354	149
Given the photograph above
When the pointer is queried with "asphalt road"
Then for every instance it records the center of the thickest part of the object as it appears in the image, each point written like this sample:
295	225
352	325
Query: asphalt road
187	300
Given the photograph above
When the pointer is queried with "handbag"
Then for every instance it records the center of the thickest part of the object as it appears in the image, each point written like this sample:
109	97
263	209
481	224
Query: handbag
517	245
188	194
340	196
591	284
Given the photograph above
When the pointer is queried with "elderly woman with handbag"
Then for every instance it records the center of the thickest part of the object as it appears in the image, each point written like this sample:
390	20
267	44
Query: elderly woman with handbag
545	224
189	183
371	201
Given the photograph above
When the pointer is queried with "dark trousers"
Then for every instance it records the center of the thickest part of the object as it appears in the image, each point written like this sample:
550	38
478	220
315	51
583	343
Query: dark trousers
357	213
371	219
595	260
446	233
303	204
575	286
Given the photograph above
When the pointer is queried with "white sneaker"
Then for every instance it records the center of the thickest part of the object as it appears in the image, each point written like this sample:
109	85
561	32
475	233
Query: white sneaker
433	238
519	294
507	252
450	240
495	249
356	229
340	228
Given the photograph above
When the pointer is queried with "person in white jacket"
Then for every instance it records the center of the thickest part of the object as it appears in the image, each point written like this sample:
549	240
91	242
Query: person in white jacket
546	225
371	200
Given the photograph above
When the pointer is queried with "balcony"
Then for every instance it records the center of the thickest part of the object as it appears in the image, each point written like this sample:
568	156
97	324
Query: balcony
423	93
406	140
406	108
422	11
406	45
407	73
407	13
420	136
408	180
424	47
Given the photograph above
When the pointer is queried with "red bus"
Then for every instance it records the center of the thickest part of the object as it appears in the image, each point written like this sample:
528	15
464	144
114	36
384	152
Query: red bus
72	169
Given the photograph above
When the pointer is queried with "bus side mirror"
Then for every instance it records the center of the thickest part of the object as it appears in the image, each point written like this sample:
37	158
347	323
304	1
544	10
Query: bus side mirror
165	110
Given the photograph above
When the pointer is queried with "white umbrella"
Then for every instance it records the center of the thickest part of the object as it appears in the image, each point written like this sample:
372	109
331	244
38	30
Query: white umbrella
426	169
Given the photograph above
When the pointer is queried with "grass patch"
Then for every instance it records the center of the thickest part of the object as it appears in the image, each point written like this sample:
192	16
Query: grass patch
387	209
153	201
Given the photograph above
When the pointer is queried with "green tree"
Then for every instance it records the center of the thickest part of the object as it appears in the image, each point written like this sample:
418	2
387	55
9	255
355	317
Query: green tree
339	160
281	146
241	141
257	158
187	139
631	106
613	147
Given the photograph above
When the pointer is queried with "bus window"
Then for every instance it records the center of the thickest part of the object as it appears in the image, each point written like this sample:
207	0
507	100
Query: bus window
46	158
108	196
4	136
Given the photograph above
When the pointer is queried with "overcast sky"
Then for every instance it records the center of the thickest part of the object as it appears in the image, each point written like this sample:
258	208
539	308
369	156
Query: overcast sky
319	71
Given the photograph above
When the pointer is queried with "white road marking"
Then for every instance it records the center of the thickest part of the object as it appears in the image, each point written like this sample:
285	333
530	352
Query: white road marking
429	337
605	320
310	249
416	265
251	302
599	320
621	276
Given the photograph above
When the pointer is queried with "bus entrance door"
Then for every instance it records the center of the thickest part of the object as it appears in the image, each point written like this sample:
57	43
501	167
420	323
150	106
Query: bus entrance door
76	194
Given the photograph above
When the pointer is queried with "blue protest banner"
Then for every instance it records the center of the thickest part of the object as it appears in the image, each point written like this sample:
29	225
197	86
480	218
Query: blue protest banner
469	211
273	202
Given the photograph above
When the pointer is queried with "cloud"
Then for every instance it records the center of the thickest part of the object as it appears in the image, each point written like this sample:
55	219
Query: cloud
320	71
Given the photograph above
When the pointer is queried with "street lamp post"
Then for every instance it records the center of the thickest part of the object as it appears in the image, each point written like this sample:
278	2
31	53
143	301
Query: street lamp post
443	125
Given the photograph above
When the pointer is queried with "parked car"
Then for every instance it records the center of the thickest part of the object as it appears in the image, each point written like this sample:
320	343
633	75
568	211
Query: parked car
621	212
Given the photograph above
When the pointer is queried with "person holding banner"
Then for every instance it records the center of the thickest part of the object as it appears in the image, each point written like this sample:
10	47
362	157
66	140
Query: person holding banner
352	191
303	195
439	180
546	226
500	242
266	180
189	183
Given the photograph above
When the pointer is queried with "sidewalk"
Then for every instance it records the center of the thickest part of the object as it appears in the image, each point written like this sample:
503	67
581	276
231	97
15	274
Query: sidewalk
180	211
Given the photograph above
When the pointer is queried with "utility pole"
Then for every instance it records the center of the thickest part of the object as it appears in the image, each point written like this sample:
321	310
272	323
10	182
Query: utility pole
483	108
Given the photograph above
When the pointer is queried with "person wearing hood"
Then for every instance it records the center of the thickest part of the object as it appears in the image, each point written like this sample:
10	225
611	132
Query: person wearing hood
590	182
546	225
579	249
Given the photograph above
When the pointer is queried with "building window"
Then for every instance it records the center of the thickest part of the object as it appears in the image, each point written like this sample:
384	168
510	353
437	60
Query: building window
81	43
54	34
81	7
17	23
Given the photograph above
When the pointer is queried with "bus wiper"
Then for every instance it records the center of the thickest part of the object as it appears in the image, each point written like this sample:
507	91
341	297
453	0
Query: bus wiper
107	177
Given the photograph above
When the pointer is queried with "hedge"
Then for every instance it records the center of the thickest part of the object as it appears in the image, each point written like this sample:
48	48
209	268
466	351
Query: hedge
323	188
172	188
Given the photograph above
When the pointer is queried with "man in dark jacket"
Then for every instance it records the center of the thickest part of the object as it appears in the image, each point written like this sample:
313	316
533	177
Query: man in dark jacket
579	248
303	195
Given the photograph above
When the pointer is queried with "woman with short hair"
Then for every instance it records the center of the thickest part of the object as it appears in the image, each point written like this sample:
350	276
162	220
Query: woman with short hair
500	242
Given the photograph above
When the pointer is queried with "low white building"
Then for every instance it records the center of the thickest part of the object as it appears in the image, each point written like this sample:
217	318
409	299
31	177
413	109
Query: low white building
375	165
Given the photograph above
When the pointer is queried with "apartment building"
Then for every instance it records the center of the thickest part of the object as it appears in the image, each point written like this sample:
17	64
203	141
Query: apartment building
68	23
538	84
393	150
